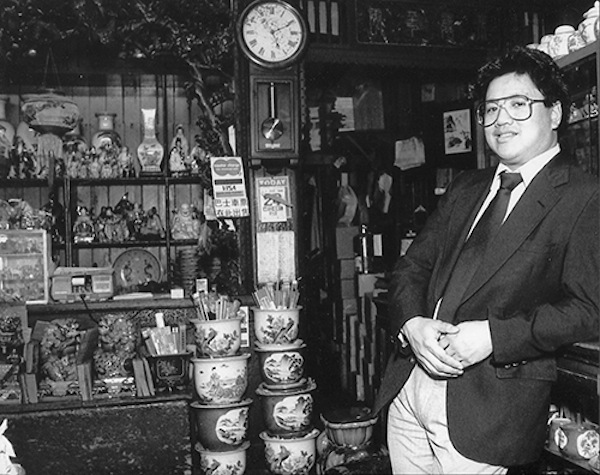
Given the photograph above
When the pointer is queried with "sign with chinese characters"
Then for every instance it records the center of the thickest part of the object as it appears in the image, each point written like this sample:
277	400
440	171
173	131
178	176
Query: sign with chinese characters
274	204
229	187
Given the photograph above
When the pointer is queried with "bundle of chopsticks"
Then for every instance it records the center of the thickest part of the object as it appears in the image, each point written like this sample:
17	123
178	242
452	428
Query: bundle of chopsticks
215	307
278	295
163	339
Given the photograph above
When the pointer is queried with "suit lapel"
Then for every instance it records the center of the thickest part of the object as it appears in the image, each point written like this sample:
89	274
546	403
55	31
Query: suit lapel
539	198
461	221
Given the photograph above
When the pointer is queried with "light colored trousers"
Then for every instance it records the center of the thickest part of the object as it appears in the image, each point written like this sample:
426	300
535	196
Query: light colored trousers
417	433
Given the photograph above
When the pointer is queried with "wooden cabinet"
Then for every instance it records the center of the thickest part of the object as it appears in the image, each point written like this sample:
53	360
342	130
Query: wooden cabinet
123	94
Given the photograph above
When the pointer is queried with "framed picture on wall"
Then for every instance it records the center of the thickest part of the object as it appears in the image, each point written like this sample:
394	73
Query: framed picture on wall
458	133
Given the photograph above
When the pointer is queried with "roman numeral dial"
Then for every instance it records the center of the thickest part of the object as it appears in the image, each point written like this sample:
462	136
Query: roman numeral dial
272	33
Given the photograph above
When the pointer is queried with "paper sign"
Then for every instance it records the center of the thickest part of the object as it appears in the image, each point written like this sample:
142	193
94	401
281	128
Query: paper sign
229	187
274	199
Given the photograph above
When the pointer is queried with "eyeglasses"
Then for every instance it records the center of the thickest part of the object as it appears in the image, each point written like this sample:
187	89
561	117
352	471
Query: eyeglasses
517	107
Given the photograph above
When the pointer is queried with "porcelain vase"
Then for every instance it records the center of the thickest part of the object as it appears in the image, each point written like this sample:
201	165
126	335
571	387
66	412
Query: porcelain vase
106	137
150	152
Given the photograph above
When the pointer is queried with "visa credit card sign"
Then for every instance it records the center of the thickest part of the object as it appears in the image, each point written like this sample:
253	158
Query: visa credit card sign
229	187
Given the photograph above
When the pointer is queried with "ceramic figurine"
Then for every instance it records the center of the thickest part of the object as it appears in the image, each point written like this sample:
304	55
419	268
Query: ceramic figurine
125	163
185	224
152	228
176	161
83	229
180	142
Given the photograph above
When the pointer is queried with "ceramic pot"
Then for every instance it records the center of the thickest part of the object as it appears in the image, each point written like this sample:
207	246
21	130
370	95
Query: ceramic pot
553	437
221	427
221	380
589	25
559	44
170	371
232	462
287	412
50	112
281	365
150	152
106	137
276	326
579	441
349	428
545	44
576	41
290	455
215	338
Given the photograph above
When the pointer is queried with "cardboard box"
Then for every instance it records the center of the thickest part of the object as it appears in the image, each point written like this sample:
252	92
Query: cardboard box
347	289
344	241
366	282
345	268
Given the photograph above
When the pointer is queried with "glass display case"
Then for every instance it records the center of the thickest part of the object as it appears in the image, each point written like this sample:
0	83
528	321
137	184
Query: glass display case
581	134
24	265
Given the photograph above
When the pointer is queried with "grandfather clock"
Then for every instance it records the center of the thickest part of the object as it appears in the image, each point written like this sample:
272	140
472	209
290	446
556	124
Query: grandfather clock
273	35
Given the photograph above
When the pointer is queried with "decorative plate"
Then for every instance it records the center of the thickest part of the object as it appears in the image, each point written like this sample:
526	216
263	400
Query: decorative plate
136	267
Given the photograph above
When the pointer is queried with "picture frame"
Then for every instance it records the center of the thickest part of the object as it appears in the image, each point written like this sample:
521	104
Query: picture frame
458	131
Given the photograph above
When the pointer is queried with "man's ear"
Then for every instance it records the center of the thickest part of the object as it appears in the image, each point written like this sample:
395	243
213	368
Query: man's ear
556	114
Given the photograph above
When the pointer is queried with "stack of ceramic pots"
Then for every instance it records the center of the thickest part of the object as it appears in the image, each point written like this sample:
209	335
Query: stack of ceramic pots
285	392
220	413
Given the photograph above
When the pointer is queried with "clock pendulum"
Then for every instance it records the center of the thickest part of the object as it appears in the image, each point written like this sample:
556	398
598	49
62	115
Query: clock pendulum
272	127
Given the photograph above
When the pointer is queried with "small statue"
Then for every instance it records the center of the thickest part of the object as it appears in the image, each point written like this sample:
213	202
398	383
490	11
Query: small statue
176	163
115	226
125	163
185	224
152	228
83	229
94	167
101	225
180	142
137	218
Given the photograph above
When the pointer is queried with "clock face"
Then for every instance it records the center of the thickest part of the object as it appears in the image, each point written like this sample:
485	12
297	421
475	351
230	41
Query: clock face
272	33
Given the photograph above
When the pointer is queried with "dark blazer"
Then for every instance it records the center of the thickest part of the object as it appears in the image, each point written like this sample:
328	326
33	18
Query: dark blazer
538	287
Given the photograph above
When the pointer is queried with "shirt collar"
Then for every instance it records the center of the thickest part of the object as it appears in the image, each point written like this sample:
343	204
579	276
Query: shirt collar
530	169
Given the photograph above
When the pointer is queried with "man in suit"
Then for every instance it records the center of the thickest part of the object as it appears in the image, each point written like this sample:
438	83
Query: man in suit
481	309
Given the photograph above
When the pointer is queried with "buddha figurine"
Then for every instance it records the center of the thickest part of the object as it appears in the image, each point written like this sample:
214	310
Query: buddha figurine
185	224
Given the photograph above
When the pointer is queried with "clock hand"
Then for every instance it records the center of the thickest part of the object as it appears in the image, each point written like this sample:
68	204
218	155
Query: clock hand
283	26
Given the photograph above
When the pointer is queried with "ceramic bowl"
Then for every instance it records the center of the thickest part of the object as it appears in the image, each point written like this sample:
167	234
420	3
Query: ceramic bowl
276	326
221	427
290	456
221	380
215	338
287	412
232	462
170	371
281	365
352	428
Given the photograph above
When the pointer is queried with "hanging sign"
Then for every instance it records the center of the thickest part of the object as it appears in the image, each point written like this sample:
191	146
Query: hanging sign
229	187
274	204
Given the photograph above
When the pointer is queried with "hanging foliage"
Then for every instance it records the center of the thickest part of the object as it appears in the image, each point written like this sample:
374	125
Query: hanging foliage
198	33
